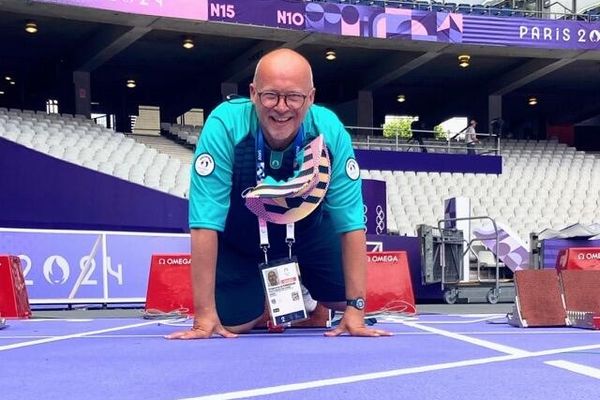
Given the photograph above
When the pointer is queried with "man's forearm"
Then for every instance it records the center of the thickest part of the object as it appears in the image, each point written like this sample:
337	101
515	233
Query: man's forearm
204	265
354	259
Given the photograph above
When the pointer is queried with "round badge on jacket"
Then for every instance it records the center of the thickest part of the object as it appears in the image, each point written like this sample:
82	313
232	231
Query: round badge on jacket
352	169
204	164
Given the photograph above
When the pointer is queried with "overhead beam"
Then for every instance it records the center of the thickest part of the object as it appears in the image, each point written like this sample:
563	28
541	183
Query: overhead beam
395	67
526	73
106	44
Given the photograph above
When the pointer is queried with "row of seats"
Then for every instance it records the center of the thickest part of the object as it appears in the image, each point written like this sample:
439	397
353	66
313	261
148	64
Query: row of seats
188	134
530	195
98	148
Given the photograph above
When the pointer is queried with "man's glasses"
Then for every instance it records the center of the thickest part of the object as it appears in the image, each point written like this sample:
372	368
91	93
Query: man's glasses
294	101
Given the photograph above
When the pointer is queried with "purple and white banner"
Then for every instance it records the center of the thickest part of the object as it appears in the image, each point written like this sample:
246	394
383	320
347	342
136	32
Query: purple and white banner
368	21
68	267
185	9
511	249
276	14
375	206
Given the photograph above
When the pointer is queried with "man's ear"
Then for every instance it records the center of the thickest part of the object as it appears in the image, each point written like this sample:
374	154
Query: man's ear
252	92
311	95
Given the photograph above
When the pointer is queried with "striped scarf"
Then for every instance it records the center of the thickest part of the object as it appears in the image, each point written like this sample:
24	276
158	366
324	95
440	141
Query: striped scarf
292	200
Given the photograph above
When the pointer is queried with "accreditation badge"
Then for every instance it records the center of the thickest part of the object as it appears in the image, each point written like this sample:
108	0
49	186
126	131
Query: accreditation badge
281	281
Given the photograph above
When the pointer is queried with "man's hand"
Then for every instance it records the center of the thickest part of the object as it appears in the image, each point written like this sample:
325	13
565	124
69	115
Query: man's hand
353	323
204	327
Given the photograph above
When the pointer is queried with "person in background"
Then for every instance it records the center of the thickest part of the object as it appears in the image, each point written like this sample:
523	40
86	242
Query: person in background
471	137
418	131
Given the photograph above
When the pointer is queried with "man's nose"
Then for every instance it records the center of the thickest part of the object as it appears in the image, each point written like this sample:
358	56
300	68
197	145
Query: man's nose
281	104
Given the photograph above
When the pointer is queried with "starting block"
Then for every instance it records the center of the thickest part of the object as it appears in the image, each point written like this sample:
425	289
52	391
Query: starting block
547	298
14	301
578	258
170	284
389	287
538	301
582	297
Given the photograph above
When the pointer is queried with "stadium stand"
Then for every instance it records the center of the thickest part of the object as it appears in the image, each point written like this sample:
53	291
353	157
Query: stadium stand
184	134
161	165
544	184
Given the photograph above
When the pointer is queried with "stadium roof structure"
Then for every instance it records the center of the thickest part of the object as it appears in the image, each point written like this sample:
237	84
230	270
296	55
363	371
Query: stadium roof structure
115	46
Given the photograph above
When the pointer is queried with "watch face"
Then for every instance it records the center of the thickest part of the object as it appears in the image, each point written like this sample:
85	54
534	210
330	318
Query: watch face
360	303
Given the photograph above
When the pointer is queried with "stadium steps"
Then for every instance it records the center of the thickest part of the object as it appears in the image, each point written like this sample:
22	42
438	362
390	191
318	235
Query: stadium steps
164	145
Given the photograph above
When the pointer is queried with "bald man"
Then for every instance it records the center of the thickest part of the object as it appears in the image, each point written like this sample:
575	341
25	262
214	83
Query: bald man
330	246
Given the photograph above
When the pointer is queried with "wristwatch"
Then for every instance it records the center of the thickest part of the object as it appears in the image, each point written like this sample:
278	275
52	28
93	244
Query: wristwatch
358	303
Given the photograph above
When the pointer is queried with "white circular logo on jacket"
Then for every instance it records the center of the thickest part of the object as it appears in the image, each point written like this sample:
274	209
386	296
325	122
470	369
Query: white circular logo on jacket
352	169
204	164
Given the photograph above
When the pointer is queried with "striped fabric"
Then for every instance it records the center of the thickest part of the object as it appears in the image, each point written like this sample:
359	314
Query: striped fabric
296	198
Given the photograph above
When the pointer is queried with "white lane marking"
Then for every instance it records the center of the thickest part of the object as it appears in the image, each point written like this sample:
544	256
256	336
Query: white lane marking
56	320
72	336
383	374
577	368
488	318
478	342
305	333
84	337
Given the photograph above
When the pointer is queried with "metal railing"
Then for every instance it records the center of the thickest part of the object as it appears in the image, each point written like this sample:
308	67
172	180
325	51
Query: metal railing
371	138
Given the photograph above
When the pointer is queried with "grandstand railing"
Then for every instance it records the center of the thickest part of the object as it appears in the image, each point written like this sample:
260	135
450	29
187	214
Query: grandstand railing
371	138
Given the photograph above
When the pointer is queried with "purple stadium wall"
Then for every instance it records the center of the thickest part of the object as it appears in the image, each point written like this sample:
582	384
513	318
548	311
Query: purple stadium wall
428	162
40	191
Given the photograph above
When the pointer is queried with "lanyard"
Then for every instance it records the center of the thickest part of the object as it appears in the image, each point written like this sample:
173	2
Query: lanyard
260	176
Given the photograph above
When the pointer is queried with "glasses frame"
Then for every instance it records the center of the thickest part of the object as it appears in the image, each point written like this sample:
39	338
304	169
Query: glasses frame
279	96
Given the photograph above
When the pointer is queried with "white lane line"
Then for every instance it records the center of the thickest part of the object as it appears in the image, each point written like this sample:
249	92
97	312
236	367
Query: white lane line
384	374
84	337
470	321
56	320
304	334
478	342
72	336
577	368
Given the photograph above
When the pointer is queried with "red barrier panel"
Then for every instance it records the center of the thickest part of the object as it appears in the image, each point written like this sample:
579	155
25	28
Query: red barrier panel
14	302
579	258
389	287
170	284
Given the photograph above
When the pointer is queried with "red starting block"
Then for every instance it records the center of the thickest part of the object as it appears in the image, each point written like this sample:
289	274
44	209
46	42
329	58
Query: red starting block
582	258
170	284
389	288
14	302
